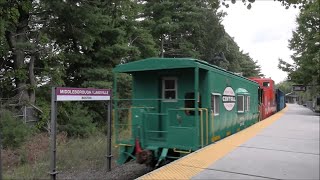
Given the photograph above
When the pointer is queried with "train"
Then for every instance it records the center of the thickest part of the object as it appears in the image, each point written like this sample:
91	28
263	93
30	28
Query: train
179	105
270	97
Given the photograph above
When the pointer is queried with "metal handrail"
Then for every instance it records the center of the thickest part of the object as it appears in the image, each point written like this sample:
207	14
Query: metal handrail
201	110
212	125
207	123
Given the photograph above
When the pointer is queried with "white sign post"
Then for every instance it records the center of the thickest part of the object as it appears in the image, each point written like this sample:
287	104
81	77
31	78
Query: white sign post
77	94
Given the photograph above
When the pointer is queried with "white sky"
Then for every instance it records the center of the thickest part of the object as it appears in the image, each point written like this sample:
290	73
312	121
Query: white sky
263	32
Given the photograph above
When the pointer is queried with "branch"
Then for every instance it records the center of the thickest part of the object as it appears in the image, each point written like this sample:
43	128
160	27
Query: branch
42	12
286	3
9	36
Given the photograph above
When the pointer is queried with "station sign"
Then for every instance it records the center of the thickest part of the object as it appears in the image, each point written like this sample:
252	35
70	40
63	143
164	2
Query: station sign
82	94
76	94
299	88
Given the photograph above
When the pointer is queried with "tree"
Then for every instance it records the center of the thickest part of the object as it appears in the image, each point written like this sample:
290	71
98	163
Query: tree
305	44
193	29
285	86
48	43
93	37
16	35
250	68
24	47
286	3
172	24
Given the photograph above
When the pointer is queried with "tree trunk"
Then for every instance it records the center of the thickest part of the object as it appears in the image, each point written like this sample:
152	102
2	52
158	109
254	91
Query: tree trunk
20	79
32	79
16	38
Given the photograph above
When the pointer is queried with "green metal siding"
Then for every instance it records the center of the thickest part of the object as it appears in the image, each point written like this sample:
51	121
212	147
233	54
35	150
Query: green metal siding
229	121
163	116
160	124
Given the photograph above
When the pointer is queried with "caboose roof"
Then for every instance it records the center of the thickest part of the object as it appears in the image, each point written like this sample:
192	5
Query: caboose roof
167	63
156	64
163	63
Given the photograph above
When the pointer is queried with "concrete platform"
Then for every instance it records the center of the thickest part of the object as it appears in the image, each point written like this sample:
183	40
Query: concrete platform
284	146
287	149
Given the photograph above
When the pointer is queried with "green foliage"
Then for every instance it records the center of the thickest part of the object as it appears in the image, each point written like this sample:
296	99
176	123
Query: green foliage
286	3
305	43
250	68
173	25
285	86
193	29
74	119
95	36
21	74
43	102
124	85
13	131
97	77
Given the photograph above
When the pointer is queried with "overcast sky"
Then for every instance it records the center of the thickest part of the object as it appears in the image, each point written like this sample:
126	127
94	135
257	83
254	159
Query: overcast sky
263	32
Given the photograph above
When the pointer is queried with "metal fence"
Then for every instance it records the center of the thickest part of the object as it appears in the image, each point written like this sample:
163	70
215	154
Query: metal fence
83	158
27	113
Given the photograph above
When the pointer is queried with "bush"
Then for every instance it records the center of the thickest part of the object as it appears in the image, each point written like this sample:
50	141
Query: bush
13	131
79	123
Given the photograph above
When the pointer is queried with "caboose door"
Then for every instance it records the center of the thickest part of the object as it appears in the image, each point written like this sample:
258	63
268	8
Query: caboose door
181	133
169	99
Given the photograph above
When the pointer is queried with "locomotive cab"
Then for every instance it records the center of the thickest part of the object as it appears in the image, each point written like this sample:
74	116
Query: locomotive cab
267	95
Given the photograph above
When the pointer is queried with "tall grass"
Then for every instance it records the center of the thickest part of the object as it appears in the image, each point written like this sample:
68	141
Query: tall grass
82	153
76	154
39	170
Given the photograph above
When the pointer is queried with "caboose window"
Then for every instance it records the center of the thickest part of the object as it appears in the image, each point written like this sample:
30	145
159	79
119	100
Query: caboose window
215	99
240	103
169	89
189	103
247	104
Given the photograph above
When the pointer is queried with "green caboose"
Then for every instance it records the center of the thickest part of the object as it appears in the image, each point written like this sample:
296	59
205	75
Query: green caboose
179	105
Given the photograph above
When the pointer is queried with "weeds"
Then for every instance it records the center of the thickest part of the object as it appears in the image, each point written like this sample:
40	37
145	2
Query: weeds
13	131
73	155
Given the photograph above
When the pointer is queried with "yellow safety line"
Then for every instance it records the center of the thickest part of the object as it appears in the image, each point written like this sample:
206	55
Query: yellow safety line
203	158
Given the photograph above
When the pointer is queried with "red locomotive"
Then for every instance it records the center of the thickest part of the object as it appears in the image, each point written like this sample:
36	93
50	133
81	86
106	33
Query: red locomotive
266	96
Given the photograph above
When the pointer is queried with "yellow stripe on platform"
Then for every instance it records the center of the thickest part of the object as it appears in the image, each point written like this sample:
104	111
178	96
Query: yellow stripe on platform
192	164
